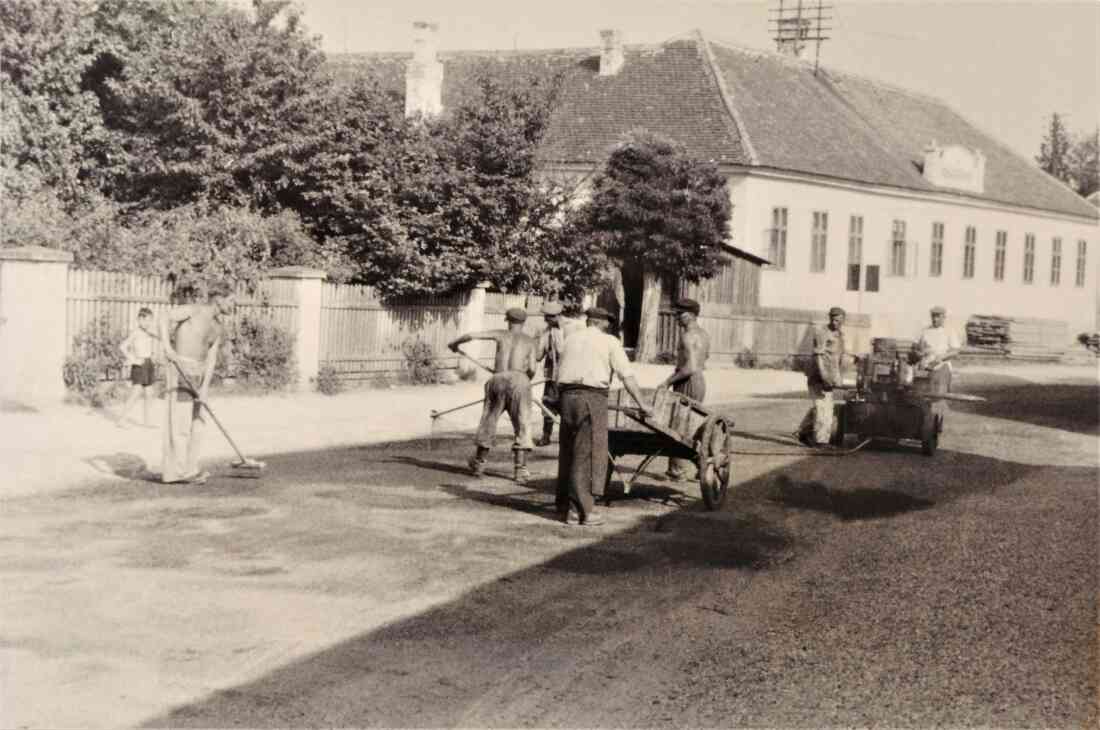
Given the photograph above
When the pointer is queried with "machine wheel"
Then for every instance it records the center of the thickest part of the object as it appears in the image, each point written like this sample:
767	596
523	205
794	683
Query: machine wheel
715	454
840	419
930	434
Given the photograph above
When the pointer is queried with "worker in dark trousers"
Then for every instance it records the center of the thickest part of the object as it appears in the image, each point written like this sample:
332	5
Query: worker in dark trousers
549	354
589	359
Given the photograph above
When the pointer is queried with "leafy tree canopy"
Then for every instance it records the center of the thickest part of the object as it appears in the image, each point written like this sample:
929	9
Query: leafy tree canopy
52	122
209	100
655	204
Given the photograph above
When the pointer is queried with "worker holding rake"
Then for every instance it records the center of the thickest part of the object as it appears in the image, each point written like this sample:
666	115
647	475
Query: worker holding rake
509	389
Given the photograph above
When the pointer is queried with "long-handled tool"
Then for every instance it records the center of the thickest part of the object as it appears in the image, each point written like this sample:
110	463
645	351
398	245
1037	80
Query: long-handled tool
546	411
252	467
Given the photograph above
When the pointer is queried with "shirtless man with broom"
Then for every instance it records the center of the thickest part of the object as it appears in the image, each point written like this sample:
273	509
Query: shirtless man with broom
192	335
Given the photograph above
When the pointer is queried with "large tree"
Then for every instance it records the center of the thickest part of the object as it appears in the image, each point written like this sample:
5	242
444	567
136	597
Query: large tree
51	120
1084	163
437	205
656	206
1054	149
207	100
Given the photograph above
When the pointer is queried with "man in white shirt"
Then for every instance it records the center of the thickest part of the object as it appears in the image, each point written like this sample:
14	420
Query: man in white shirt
935	347
589	358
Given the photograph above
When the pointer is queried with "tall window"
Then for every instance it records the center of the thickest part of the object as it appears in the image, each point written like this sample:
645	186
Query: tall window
1029	258
855	251
936	267
1081	250
1056	262
817	246
897	250
969	252
999	256
777	250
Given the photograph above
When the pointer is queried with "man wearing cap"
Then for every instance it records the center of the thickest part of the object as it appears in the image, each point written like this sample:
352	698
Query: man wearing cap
822	377
508	390
687	378
549	354
935	347
589	358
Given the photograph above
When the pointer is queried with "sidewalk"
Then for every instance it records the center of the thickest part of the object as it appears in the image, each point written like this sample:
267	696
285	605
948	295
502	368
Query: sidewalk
63	447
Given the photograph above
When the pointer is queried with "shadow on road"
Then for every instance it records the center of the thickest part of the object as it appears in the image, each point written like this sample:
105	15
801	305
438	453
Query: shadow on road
125	465
426	670
1068	406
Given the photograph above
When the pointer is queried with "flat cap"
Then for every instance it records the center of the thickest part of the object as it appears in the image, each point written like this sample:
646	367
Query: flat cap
837	310
551	309
938	310
515	314
687	305
598	313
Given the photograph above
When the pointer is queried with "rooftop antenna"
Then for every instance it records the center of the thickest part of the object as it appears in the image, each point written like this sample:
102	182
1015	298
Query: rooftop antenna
797	22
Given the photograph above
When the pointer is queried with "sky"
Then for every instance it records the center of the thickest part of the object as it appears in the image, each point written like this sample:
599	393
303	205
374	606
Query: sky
1006	66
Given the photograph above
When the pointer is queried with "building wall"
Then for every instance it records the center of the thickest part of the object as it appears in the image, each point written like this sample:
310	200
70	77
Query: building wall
900	307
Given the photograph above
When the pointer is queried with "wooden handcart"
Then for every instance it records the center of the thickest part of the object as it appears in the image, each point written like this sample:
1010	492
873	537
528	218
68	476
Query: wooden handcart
680	428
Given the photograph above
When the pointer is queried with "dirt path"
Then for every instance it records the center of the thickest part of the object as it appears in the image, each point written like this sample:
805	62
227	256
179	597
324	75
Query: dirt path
383	586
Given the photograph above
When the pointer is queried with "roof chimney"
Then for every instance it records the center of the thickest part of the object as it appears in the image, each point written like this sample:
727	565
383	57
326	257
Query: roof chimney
424	74
611	52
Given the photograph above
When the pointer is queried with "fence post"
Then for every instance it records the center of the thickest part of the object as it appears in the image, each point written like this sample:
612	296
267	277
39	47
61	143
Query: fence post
472	319
307	319
33	293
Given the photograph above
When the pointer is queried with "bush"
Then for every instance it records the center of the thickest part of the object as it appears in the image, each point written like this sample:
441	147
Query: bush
328	380
258	354
420	361
95	353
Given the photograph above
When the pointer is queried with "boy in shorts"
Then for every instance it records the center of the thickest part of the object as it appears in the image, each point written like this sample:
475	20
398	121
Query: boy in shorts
139	347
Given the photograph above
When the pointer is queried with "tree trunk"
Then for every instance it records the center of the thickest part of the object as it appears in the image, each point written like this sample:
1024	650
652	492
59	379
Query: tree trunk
647	326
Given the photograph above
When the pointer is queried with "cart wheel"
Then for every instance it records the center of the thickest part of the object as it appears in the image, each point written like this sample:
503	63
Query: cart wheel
929	435
715	460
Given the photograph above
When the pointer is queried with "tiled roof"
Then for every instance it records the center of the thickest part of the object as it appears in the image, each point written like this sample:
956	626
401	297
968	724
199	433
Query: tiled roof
743	107
593	112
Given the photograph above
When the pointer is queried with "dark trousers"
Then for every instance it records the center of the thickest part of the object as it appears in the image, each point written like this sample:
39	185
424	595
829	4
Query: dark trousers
551	398
694	387
582	456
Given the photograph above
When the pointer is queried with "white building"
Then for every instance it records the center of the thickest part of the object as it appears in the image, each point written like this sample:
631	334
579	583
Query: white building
860	194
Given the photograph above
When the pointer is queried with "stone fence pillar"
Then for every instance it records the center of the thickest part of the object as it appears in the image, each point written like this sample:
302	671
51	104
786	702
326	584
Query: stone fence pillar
472	319
307	320
33	289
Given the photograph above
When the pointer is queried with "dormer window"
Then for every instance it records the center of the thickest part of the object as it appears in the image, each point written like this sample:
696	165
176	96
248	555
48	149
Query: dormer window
954	166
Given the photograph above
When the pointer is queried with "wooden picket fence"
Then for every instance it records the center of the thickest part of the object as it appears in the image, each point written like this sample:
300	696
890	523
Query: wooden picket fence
115	299
362	338
771	334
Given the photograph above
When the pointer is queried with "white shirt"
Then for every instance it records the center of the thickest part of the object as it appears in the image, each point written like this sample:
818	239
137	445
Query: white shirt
590	357
936	342
140	345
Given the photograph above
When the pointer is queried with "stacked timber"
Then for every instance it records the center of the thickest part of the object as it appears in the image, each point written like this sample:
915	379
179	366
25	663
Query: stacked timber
1020	338
988	333
1042	340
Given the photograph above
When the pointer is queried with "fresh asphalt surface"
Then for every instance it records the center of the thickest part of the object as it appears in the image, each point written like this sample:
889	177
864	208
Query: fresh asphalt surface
384	586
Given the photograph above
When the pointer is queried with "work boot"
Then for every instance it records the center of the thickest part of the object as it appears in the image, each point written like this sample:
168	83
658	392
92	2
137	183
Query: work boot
521	474
593	519
477	461
544	440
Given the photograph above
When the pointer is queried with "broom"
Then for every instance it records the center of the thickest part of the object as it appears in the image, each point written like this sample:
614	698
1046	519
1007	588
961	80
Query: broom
249	467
